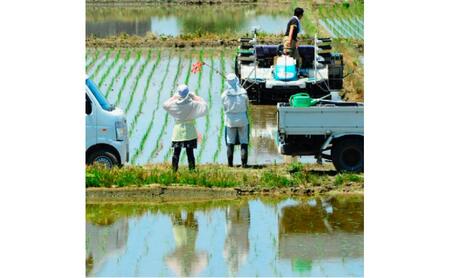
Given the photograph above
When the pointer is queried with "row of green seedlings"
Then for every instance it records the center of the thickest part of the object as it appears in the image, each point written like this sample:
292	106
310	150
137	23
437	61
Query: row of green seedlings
144	97
137	79
351	20
207	120
92	62
340	21
118	72
222	124
101	64
186	81
158	145
110	67
343	21
152	118
125	80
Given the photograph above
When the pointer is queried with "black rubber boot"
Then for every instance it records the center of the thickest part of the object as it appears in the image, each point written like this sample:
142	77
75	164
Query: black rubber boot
175	159
244	155
191	158
230	152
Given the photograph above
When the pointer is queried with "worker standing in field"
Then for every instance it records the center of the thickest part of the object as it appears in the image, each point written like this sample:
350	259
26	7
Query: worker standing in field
291	36
235	104
185	107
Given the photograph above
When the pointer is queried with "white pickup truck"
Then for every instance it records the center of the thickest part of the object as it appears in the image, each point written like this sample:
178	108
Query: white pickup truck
316	130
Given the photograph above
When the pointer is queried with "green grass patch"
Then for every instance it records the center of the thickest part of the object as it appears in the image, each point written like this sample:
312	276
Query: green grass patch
213	175
346	178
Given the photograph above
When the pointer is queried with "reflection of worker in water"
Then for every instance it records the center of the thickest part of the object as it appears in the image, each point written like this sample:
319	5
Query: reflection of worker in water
236	244
291	36
185	260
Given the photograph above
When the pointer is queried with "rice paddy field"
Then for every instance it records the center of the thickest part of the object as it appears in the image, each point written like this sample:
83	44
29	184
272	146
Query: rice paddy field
337	19
139	80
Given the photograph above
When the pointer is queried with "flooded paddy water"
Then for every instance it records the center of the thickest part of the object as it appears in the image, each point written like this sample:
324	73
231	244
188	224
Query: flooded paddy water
139	81
241	237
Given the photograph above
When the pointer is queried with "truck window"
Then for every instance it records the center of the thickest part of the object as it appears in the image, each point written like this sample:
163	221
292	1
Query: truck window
88	106
99	96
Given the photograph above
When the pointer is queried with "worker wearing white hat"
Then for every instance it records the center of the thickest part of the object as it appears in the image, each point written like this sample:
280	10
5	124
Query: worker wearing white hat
235	104
185	107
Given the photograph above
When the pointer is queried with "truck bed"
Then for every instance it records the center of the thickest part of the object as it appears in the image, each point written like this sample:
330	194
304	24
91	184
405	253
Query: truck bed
320	120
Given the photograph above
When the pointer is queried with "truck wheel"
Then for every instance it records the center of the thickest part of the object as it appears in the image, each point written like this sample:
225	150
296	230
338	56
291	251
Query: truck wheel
103	157
348	155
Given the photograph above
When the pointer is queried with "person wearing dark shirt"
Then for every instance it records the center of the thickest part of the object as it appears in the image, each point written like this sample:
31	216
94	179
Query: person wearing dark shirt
290	39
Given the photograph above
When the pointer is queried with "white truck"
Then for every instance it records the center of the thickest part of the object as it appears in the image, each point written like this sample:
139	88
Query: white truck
316	130
106	130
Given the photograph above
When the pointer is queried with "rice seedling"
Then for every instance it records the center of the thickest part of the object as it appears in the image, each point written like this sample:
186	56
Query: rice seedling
144	97
96	55
118	72
137	79
110	67
207	120
166	117
222	124
150	126
101	64
125	80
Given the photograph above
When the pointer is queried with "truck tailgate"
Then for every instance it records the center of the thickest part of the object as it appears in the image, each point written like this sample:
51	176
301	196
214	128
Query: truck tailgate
317	120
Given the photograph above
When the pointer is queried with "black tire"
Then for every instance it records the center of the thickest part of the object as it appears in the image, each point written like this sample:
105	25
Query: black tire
103	157
347	155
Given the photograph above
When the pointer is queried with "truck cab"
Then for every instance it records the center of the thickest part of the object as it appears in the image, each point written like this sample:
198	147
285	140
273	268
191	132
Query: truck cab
106	130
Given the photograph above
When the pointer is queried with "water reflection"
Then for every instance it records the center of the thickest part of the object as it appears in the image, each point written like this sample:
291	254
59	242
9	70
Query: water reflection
236	243
185	260
104	241
257	237
170	20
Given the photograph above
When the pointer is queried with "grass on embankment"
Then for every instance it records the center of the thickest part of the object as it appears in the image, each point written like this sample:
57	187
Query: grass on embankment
276	176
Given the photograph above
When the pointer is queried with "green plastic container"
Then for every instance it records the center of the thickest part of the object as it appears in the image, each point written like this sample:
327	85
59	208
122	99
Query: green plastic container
301	100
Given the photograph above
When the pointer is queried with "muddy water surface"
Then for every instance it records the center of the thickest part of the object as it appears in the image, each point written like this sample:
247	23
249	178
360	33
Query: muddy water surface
255	237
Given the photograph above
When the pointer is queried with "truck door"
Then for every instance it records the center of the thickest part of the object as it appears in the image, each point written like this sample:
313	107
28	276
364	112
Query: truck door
91	123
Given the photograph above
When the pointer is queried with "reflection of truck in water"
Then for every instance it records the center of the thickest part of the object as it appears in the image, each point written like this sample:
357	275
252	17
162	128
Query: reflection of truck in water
106	130
327	126
314	228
